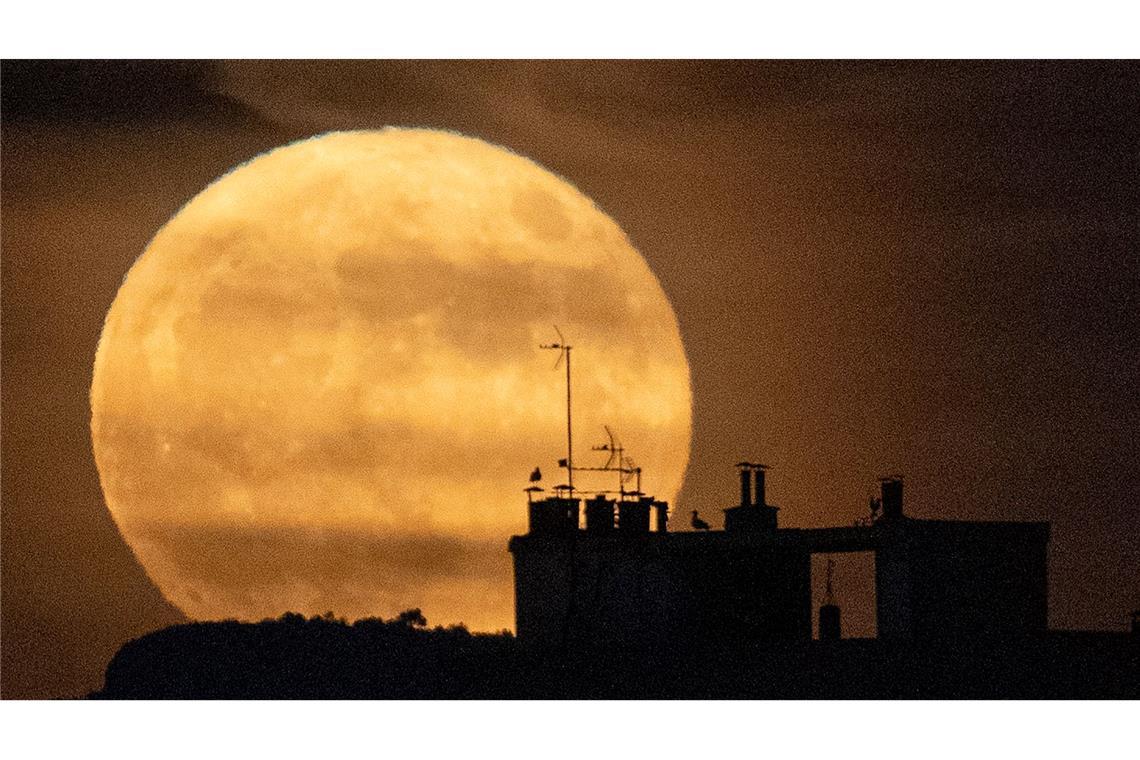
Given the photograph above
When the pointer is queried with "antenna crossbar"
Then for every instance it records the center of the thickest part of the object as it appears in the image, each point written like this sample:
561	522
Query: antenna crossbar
564	353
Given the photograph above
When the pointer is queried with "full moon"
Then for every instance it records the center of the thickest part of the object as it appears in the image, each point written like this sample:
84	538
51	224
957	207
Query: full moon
320	387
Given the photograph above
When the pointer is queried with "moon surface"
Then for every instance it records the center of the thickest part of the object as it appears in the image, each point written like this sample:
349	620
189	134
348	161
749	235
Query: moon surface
320	387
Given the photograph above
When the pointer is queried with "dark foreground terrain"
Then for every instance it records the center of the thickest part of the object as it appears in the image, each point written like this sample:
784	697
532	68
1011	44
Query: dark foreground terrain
324	658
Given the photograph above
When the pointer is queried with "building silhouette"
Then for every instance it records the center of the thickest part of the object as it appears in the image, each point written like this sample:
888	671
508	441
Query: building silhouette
618	607
623	580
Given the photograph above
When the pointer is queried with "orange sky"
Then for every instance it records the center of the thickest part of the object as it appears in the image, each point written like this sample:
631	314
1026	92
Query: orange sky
917	268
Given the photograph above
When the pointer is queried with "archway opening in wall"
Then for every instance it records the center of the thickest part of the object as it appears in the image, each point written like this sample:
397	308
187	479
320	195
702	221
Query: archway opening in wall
853	590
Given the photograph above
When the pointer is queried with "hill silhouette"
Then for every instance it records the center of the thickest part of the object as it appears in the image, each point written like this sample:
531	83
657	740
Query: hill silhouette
316	658
328	658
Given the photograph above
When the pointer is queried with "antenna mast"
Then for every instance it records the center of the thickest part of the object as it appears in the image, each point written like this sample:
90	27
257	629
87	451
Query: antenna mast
564	353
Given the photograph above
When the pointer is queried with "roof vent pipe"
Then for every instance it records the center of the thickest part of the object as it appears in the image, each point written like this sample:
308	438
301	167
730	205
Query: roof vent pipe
745	484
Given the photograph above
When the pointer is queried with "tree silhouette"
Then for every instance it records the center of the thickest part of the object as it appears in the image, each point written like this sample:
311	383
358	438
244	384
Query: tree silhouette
413	618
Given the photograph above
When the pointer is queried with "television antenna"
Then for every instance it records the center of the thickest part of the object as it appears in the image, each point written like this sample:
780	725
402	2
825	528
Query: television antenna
564	353
633	470
617	462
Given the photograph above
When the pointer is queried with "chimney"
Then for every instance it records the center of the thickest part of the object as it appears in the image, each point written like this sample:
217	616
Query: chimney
752	513
599	514
892	498
830	628
662	516
761	501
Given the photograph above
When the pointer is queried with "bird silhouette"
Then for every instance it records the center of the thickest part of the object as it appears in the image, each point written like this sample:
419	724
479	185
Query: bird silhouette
536	475
698	523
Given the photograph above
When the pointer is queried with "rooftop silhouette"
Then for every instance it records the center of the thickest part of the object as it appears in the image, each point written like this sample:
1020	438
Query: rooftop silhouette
612	579
619	608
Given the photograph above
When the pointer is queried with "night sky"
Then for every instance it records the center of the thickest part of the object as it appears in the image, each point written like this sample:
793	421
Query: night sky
918	268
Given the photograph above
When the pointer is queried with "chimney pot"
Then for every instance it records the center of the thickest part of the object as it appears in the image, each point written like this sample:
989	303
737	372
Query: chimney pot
892	498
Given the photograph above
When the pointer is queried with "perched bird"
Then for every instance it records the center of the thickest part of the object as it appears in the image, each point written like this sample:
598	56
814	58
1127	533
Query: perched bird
536	475
698	523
